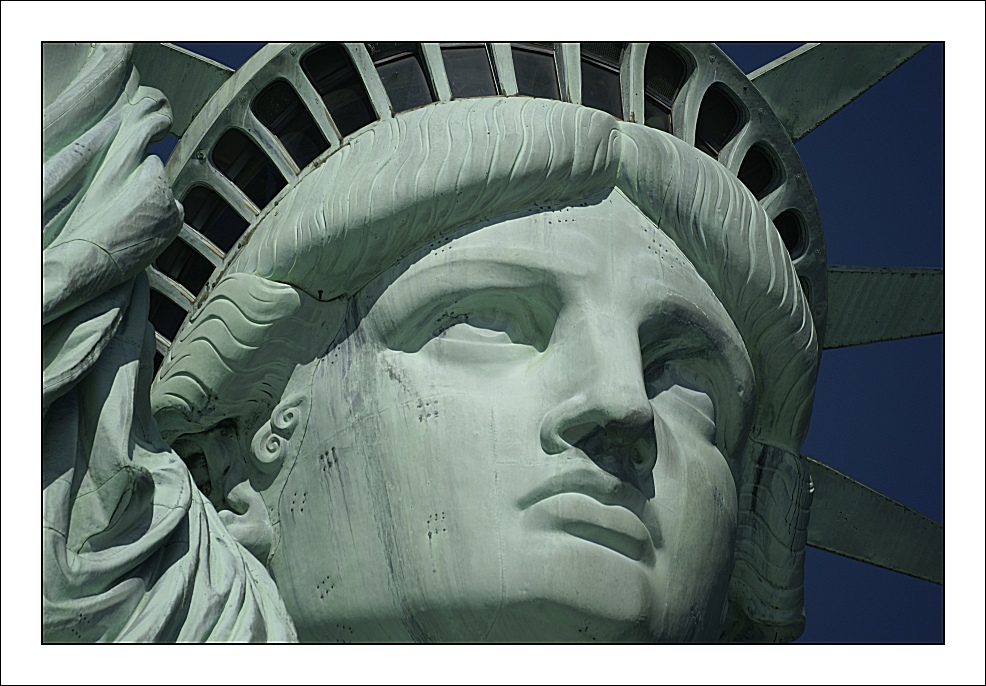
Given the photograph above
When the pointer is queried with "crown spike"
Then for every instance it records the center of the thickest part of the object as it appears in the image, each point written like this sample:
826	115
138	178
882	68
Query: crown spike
853	520
188	79
808	85
872	304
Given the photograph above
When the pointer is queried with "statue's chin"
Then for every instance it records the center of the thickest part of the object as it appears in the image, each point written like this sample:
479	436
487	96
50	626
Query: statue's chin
557	588
551	621
550	616
527	621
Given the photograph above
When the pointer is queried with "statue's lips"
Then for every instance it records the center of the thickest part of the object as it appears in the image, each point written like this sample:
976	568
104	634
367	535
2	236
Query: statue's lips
596	506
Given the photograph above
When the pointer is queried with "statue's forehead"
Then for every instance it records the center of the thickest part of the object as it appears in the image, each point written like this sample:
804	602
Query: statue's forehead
599	217
603	247
609	218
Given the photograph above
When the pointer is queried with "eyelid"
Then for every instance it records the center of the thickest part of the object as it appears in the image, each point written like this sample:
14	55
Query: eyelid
699	375
698	409
420	289
534	318
678	373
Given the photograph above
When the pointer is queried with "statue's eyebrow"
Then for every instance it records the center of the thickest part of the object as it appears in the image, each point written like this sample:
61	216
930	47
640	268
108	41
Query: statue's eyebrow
496	267
568	263
676	314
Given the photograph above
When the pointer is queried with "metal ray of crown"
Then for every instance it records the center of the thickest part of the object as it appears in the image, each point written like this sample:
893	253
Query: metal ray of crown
289	107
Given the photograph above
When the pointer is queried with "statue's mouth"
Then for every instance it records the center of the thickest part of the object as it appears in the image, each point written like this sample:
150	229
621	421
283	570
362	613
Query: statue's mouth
611	526
593	505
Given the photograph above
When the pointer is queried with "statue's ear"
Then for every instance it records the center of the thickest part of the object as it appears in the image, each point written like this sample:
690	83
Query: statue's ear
248	515
248	518
278	437
232	475
216	461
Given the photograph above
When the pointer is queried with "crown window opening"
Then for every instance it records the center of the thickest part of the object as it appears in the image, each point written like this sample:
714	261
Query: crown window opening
792	232
182	263
719	119
665	72
401	69
242	162
337	82
280	109
211	216
657	115
164	315
601	77
760	171
469	69
534	67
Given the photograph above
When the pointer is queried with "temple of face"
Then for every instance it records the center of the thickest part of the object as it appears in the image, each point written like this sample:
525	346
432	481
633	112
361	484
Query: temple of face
499	369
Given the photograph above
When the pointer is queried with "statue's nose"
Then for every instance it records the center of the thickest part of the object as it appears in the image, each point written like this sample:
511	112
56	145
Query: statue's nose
608	416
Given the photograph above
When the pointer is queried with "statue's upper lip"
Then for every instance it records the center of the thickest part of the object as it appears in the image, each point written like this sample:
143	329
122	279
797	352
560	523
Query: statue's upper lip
602	487
590	481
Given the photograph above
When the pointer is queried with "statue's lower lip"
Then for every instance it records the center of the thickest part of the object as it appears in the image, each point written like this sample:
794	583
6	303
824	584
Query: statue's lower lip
611	526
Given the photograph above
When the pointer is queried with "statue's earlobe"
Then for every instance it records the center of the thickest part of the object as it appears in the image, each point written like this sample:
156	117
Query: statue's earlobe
272	441
248	520
239	505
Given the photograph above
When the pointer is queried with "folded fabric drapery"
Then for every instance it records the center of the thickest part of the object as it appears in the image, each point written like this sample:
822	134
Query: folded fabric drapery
132	550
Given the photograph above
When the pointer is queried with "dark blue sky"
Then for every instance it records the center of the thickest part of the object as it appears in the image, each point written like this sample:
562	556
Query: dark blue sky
877	169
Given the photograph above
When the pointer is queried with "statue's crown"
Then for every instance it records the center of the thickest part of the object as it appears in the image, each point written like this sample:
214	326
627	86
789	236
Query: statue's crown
291	106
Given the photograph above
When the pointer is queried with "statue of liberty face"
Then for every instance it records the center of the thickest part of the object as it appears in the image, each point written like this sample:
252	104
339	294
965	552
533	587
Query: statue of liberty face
518	437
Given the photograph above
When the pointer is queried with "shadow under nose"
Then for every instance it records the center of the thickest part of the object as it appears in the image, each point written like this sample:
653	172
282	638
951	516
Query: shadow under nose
628	451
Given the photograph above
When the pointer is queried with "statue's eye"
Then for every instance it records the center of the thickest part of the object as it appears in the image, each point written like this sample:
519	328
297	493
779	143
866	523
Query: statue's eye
478	324
501	321
493	327
677	350
676	389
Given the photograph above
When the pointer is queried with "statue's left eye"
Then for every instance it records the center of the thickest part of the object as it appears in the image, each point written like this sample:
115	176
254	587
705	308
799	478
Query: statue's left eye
690	392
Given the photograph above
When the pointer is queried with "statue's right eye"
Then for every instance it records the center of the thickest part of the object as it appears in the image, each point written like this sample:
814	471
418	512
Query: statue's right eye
478	325
488	327
485	327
